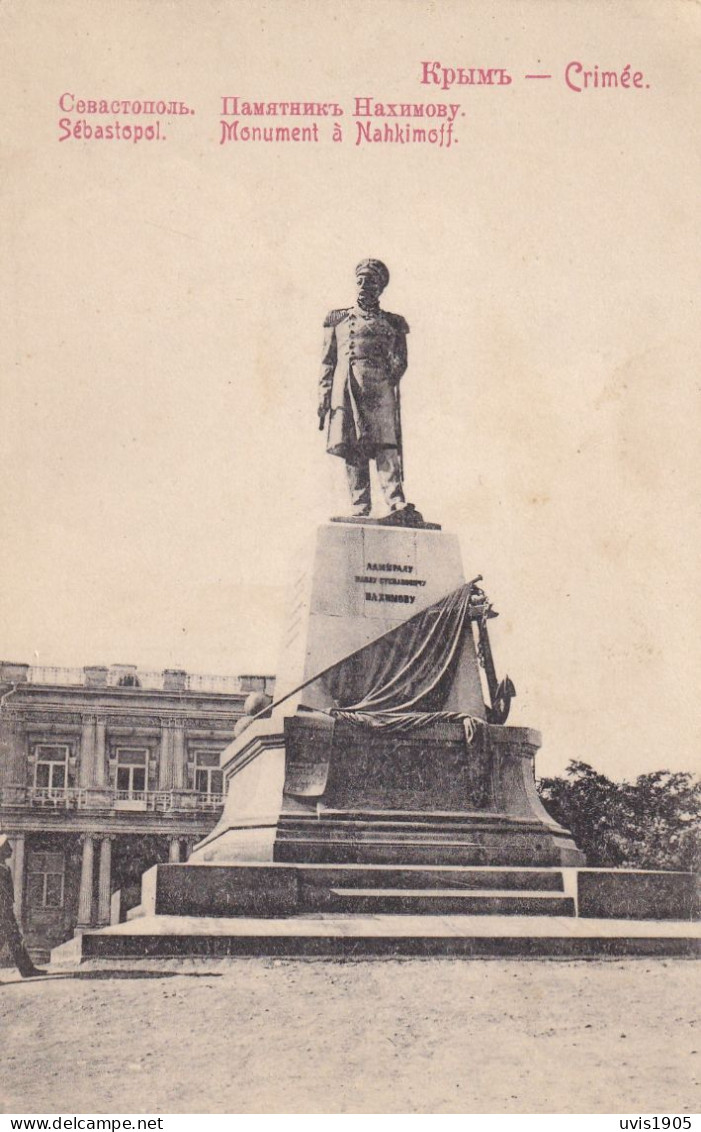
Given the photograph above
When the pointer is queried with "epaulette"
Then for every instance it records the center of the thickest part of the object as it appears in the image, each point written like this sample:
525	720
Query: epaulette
334	317
400	324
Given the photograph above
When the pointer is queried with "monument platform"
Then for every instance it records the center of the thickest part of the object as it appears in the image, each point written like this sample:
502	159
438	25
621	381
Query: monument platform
355	910
384	808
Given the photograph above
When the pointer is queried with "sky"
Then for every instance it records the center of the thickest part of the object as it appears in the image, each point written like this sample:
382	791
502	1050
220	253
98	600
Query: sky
161	332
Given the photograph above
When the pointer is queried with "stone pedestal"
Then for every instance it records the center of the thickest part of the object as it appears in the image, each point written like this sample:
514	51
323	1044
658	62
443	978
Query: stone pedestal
356	583
436	795
315	785
302	794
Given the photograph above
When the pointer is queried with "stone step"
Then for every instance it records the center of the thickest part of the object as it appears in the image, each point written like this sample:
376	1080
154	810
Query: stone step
476	838
431	877
472	902
276	889
220	889
338	936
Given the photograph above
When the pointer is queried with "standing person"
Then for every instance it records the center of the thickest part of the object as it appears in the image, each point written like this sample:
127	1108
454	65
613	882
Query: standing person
9	928
365	356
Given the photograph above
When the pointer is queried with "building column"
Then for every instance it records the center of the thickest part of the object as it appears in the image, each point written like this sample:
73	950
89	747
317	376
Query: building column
174	849
100	755
165	761
178	756
88	750
18	873
104	891
86	874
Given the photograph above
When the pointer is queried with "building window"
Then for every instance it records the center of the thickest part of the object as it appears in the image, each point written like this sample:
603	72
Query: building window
45	879
131	770
129	681
208	777
51	771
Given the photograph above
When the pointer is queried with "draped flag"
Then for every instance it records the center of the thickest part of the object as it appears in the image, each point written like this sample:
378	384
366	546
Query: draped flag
408	669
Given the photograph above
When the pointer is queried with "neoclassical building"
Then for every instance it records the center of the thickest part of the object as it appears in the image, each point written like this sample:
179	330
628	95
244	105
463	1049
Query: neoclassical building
105	771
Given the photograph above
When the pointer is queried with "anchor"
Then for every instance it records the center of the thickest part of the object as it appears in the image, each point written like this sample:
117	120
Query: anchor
501	692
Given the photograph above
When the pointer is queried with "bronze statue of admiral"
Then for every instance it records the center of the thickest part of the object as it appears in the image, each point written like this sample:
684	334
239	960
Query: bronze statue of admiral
364	358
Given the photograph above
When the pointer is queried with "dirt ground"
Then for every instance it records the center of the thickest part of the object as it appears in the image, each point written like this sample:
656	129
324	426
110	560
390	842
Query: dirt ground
382	1036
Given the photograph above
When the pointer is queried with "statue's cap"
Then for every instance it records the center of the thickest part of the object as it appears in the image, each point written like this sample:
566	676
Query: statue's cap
375	267
5	845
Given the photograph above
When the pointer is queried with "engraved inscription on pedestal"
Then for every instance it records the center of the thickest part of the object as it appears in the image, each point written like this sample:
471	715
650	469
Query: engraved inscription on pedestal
308	745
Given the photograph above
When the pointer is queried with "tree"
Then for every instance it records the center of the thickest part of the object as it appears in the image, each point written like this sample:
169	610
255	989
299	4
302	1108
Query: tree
652	823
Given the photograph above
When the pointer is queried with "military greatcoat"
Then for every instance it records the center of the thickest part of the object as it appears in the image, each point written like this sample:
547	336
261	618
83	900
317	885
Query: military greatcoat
365	355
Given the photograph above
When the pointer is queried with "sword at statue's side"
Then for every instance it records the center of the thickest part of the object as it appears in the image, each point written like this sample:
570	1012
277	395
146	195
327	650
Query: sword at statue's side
398	429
